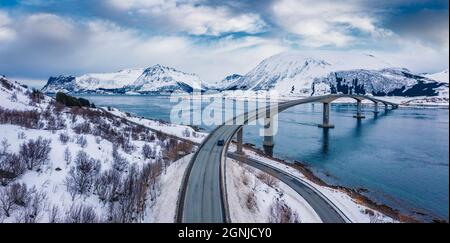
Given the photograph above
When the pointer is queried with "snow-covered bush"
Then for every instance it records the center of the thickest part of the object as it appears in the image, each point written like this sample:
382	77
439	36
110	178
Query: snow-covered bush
28	119
7	202
4	146
119	162
67	155
81	214
11	166
186	133
280	212
82	176
267	179
33	209
250	202
147	151
64	138
108	185
82	128
82	141
21	135
35	152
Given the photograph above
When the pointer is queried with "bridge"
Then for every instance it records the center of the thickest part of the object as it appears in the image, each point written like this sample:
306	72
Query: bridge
203	196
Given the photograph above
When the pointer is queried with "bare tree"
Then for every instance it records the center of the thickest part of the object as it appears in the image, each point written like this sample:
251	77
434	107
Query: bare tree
64	138
108	185
81	177
4	146
21	135
119	162
82	141
81	214
31	213
147	151
7	201
11	166
54	215
35	152
67	156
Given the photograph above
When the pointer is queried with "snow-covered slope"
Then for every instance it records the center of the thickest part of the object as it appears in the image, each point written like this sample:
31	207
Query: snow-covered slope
309	73
157	78
68	137
440	76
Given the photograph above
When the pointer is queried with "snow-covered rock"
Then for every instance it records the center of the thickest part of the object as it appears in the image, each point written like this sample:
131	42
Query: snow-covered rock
157	78
309	73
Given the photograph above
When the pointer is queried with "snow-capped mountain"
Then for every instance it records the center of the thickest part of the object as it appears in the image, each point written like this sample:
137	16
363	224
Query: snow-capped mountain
313	73
228	83
157	78
93	82
440	76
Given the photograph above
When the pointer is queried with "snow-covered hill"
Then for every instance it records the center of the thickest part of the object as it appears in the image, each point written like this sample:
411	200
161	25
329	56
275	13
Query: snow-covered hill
82	165
440	76
313	73
157	78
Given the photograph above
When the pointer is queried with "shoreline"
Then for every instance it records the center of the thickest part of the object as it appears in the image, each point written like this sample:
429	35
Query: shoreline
355	194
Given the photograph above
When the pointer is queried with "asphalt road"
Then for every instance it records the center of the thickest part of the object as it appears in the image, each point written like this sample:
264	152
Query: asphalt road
323	207
204	202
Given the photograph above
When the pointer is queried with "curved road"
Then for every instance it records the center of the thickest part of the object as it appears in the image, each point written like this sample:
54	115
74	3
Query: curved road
327	211
203	195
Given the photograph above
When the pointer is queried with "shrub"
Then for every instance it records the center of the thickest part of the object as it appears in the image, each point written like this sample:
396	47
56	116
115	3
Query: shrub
119	162
81	177
107	185
250	201
84	128
280	212
7	201
4	146
82	141
6	84
21	135
81	214
67	155
11	166
64	138
28	119
35	152
36	96
70	101
267	179
147	151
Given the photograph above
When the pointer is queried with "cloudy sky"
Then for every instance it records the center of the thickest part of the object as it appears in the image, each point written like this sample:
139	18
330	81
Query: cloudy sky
213	38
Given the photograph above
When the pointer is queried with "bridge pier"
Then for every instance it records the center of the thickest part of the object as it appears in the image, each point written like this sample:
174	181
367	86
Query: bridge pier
326	117
376	108
268	143
239	138
359	114
386	107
